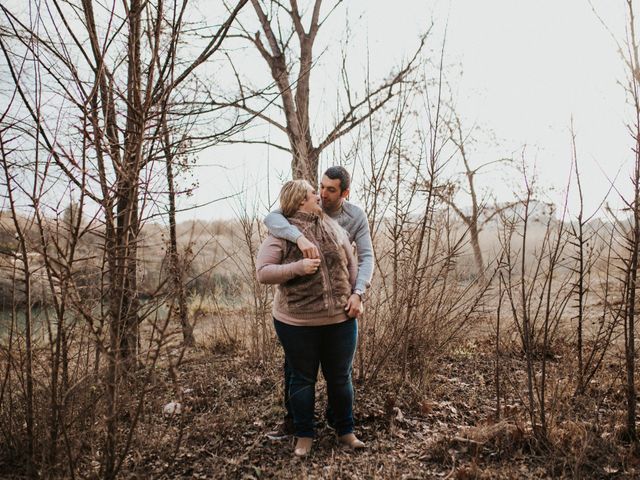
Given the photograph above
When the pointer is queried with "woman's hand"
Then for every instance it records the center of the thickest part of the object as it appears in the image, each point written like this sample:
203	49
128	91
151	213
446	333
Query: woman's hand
310	265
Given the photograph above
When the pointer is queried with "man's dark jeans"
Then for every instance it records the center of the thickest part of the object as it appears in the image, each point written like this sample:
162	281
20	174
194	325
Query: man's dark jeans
306	348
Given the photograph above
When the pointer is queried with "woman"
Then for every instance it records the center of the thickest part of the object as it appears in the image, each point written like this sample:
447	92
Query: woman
309	313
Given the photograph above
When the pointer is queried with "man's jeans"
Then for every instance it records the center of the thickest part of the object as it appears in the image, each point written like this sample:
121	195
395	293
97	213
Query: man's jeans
306	348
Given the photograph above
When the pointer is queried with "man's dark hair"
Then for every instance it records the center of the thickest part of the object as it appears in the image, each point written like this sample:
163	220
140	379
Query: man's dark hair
340	173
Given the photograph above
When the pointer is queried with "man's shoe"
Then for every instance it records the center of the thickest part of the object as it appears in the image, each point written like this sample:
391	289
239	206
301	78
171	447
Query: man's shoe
351	441
284	430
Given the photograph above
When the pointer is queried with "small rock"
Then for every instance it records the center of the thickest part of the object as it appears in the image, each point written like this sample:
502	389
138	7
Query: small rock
172	408
399	416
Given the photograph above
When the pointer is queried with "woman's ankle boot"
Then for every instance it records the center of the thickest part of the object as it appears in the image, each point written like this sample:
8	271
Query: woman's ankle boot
303	446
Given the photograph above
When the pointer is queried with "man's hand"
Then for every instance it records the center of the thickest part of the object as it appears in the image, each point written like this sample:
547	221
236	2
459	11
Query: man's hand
354	306
308	249
310	265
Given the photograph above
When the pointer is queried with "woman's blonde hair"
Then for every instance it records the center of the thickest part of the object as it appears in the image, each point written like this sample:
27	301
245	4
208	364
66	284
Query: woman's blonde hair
292	194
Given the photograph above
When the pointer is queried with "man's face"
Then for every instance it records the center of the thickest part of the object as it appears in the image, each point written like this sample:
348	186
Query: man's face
330	193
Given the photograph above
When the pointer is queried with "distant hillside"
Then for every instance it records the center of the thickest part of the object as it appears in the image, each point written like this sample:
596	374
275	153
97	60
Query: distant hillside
208	248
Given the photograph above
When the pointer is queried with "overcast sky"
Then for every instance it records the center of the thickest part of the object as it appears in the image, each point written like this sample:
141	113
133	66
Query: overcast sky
519	69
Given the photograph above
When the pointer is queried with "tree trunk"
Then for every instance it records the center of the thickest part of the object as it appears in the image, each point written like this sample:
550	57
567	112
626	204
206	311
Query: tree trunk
26	278
127	222
304	163
632	275
178	292
124	305
634	244
475	244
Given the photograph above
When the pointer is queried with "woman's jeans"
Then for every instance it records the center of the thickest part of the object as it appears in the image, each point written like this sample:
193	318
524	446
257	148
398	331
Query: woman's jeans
330	347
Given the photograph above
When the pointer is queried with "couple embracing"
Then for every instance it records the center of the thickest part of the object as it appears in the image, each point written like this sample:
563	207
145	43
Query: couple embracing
309	255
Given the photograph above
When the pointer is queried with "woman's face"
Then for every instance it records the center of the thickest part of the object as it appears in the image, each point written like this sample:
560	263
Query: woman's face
311	204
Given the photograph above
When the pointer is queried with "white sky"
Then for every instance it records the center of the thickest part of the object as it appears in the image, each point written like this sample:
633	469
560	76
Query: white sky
526	67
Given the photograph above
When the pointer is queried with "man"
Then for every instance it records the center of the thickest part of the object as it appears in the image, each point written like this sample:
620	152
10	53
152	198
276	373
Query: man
334	191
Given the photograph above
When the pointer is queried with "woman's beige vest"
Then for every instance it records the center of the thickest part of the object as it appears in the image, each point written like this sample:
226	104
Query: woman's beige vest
328	289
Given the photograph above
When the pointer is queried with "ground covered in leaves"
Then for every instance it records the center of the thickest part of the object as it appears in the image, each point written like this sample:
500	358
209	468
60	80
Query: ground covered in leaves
446	430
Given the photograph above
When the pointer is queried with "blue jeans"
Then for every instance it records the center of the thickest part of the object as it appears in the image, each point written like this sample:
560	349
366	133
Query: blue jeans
330	347
288	417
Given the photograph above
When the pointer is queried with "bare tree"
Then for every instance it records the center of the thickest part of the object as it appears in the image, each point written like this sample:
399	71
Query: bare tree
535	288
291	70
633	237
590	243
176	264
484	208
628	232
96	89
22	259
